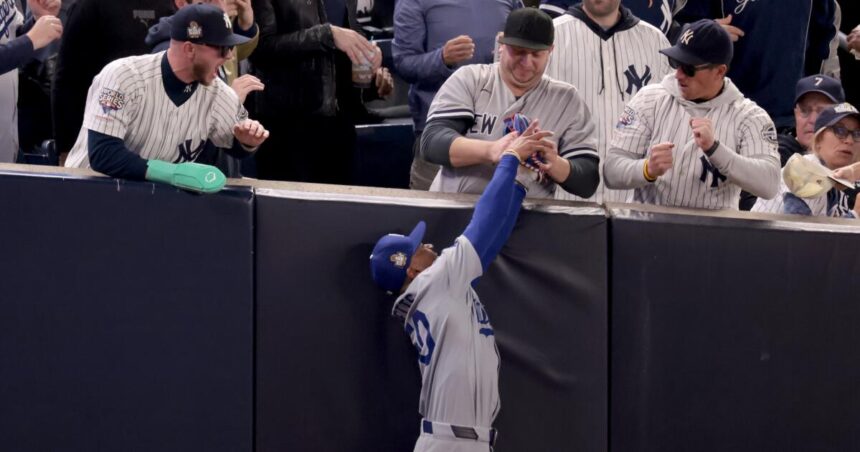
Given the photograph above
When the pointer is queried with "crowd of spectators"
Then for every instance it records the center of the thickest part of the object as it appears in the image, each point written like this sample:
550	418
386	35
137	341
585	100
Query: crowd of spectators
640	122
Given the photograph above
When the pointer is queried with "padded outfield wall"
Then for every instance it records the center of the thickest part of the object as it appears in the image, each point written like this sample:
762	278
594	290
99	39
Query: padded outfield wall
139	317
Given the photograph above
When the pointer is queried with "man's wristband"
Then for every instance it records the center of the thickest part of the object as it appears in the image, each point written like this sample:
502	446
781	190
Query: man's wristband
710	151
645	174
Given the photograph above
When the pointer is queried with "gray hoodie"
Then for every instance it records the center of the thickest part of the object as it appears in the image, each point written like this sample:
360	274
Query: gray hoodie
746	158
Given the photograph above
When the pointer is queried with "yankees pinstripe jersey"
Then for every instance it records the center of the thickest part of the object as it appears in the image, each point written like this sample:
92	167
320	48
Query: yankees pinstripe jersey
834	203
128	100
607	68
746	157
478	93
659	13
10	20
460	380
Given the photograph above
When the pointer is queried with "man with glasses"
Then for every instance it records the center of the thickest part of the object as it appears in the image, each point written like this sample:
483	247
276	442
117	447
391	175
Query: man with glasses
148	116
694	140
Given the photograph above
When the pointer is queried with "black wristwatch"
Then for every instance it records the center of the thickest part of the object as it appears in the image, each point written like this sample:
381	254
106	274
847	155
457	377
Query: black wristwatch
710	151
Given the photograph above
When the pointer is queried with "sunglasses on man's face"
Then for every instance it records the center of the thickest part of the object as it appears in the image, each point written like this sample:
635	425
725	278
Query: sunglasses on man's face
688	69
844	132
223	51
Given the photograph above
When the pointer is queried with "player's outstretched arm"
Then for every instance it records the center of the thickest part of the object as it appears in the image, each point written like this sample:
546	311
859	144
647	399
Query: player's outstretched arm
496	211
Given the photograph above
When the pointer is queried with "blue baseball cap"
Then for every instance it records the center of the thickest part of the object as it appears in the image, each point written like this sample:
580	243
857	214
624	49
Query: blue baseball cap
820	83
702	42
831	115
391	257
203	23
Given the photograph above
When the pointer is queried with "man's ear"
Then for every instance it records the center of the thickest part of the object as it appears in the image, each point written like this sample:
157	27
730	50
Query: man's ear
411	273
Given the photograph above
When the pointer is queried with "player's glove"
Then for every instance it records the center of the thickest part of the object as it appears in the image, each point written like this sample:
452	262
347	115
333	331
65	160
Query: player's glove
189	176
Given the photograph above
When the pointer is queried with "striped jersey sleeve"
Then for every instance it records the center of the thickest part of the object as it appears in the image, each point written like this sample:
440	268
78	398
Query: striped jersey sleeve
113	100
631	141
455	99
754	166
225	112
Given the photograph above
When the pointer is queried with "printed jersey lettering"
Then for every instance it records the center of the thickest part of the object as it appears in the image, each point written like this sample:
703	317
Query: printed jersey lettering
716	175
187	153
484	124
418	329
635	82
481	317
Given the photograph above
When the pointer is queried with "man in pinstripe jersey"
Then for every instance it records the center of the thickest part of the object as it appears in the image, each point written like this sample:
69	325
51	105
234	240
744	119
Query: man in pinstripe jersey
693	140
608	54
145	113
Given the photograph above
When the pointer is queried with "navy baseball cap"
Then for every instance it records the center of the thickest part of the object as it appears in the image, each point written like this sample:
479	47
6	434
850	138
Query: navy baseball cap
820	83
831	115
391	257
530	28
702	42
203	23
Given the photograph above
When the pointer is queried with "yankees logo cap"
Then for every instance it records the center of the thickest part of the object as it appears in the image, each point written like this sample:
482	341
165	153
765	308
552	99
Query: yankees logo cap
203	23
391	257
831	115
820	83
702	42
530	28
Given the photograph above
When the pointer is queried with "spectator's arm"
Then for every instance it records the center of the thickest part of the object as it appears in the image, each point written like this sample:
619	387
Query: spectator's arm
15	53
438	136
243	51
755	165
584	176
412	60
276	47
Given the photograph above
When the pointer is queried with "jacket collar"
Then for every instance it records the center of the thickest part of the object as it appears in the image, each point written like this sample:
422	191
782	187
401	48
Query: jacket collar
627	21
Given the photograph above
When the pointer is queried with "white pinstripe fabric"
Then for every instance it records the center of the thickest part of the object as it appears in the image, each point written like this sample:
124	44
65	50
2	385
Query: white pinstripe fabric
747	156
147	120
605	73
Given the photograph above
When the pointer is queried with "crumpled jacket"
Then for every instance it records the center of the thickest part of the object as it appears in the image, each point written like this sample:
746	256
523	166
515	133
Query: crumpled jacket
295	57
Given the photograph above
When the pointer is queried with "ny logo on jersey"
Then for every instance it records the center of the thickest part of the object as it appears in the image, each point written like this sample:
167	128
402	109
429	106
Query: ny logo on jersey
484	124
716	175
634	81
418	329
481	316
186	153
686	37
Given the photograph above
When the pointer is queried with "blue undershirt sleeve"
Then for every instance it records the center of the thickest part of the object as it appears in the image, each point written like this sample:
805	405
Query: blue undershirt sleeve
495	212
108	155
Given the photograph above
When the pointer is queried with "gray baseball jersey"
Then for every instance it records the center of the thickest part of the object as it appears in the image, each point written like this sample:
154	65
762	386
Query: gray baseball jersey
834	203
607	69
457	352
746	158
128	100
477	92
10	20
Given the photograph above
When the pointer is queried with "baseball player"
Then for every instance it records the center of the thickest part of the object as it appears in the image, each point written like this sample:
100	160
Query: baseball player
659	13
835	145
466	128
608	54
148	116
693	140
444	318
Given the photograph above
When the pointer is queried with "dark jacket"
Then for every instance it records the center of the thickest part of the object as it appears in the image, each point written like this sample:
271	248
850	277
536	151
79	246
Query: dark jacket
297	59
95	33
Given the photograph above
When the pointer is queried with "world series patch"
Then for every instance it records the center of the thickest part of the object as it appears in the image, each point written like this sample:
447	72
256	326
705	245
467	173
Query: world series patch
627	118
111	100
769	133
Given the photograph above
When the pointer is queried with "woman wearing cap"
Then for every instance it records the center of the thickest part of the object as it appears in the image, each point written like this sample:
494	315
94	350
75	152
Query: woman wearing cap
835	144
